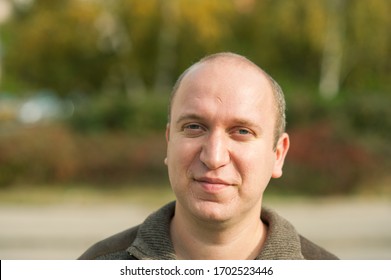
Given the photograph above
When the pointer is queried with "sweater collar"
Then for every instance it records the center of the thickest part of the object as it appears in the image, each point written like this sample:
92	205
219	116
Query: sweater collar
282	241
153	240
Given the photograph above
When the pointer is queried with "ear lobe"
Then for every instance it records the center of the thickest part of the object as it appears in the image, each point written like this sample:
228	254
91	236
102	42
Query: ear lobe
281	151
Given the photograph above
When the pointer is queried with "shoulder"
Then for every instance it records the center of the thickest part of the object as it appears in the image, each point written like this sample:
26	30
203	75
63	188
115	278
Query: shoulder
113	247
284	242
311	251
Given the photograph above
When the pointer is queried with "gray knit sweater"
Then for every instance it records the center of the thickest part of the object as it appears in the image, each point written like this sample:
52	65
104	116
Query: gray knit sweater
151	241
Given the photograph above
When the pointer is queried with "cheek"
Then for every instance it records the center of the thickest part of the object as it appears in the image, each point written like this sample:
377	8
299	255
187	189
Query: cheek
256	167
180	155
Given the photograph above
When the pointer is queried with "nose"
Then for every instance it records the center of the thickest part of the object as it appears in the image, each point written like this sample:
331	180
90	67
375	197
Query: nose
215	152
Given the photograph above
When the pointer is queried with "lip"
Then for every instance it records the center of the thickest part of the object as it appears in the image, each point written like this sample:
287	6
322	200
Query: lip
210	180
212	185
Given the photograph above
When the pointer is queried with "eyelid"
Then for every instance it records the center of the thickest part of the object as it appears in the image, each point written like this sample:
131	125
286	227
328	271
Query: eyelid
238	128
187	125
250	133
196	131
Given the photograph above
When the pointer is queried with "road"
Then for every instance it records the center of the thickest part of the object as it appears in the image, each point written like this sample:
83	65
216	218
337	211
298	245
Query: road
351	229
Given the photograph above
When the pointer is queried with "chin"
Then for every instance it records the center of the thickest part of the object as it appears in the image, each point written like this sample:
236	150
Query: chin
210	211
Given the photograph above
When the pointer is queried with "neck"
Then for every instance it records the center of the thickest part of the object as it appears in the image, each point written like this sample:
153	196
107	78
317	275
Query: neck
194	239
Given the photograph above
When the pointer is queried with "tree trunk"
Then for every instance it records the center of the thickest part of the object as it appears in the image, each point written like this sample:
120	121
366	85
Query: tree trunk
167	56
331	64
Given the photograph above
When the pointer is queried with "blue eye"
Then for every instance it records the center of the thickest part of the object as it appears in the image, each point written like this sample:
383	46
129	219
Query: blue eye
193	126
243	131
193	130
242	134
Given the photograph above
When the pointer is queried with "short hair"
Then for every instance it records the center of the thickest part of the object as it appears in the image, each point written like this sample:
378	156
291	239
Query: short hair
278	94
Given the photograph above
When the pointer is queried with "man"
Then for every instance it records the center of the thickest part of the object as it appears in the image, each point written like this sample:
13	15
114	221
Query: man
225	140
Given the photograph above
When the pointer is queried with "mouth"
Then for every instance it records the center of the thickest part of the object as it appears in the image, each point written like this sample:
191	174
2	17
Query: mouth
212	185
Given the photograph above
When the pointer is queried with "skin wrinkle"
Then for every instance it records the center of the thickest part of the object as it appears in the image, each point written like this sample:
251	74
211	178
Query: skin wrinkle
219	100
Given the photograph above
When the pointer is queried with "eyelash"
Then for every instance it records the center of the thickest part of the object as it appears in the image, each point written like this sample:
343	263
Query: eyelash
192	126
197	129
192	129
243	130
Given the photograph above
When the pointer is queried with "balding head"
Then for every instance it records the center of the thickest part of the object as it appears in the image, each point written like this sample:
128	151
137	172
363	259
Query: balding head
238	60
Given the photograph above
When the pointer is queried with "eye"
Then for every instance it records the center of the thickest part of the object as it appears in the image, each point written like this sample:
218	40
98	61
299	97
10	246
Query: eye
242	133
192	126
193	130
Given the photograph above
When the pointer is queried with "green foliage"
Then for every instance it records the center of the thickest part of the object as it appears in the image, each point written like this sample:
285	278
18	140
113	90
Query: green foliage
89	46
122	56
56	154
54	45
336	147
113	112
36	155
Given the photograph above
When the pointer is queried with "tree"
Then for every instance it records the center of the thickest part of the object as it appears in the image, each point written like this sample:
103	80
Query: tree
54	45
134	45
333	50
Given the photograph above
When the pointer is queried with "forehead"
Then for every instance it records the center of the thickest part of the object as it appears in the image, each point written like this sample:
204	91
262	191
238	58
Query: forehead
226	68
226	83
225	74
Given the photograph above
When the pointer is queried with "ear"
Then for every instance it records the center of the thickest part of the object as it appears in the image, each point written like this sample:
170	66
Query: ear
167	139
168	132
280	152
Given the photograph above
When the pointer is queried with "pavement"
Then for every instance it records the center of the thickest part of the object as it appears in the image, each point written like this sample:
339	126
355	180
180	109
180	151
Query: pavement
350	228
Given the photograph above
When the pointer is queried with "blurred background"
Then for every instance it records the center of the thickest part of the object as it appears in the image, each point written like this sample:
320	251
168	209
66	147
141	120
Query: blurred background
84	89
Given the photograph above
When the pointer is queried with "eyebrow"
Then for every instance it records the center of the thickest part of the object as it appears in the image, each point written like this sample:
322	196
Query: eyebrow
192	116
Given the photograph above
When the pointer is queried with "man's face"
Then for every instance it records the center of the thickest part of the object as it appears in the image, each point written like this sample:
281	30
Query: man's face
220	153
